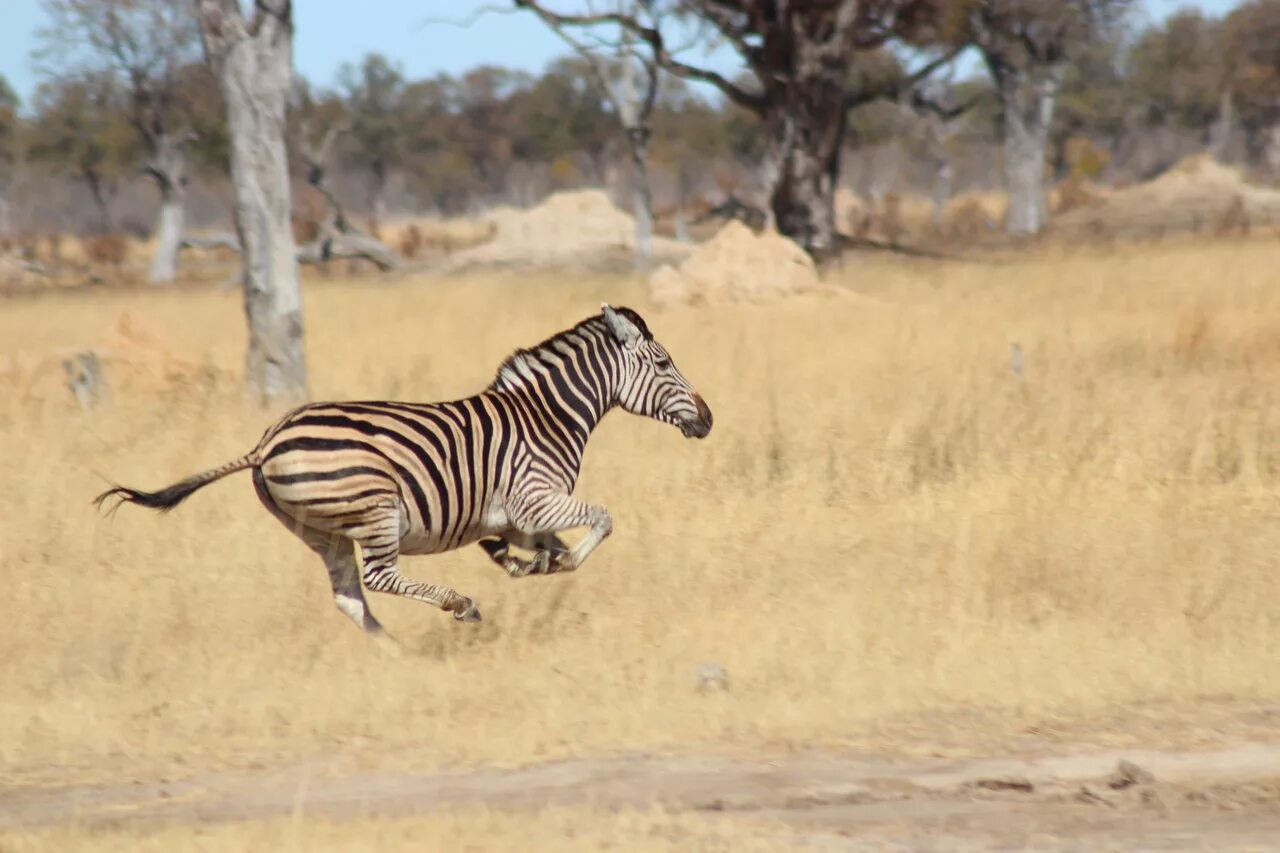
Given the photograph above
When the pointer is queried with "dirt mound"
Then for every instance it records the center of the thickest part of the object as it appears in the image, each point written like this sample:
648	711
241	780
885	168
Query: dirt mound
578	228
1196	195
130	352
737	265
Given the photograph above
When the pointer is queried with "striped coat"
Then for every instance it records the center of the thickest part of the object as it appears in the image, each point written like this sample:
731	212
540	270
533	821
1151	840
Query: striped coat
498	468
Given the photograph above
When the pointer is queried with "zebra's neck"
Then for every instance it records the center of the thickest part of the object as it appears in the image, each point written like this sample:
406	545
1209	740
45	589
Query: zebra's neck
570	380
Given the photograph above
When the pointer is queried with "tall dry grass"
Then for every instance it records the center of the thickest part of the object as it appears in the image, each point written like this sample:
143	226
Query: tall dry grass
886	531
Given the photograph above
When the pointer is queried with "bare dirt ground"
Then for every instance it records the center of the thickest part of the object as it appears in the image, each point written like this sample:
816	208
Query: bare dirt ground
1086	797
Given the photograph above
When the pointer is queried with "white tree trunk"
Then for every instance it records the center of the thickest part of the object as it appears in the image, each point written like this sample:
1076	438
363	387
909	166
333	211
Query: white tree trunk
254	64
1027	99
1222	133
168	237
641	196
168	168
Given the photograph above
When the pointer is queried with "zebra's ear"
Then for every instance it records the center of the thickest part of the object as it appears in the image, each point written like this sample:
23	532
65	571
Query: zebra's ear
624	331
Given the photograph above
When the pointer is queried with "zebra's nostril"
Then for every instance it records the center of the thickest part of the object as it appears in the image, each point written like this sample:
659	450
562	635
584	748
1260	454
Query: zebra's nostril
704	411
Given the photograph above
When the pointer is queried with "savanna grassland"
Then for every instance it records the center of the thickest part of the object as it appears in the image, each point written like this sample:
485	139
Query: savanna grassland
891	540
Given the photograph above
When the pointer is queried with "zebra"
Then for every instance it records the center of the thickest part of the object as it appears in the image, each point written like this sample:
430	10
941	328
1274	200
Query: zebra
497	468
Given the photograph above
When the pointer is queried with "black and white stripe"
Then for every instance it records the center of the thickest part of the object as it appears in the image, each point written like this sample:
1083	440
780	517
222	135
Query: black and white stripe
498	468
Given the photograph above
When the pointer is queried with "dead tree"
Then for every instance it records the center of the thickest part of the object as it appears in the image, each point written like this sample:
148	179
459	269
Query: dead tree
939	113
253	60
167	166
337	237
1027	45
142	44
800	54
615	66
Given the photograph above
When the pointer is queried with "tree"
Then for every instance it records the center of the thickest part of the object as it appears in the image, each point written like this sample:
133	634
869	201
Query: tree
374	95
336	236
79	125
1027	46
252	59
627	76
9	104
142	46
799	55
1177	71
1251	45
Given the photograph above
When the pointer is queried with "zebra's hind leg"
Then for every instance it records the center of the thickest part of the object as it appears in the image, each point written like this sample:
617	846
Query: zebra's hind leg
339	555
380	545
545	547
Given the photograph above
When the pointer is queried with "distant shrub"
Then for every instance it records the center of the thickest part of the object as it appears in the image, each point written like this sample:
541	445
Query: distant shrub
968	219
106	249
1072	193
411	241
564	173
1084	159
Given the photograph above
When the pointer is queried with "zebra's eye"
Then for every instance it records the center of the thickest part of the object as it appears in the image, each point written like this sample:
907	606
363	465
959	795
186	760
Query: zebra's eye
662	363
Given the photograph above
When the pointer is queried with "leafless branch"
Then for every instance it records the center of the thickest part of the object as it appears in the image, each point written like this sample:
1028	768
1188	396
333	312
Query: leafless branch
896	89
468	20
652	36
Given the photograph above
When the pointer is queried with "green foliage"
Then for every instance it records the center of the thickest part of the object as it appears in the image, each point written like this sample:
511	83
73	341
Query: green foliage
1177	71
81	124
9	127
1251	47
373	95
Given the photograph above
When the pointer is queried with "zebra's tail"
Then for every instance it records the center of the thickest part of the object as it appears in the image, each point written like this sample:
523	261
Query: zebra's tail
169	497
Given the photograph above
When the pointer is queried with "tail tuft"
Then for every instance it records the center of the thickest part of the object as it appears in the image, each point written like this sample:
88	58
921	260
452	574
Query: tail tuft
167	498
163	500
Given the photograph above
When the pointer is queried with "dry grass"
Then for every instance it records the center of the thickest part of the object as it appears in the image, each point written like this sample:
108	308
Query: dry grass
885	526
555	830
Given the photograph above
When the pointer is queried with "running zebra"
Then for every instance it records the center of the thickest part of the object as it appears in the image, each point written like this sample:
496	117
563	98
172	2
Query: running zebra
421	478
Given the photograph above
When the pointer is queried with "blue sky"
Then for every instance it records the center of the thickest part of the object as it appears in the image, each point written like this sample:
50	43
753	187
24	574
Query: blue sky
331	32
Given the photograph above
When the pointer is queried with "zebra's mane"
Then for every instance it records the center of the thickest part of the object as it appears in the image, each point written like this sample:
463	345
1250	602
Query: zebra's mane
517	367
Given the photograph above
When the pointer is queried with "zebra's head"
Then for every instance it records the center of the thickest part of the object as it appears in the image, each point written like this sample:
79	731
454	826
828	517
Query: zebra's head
650	384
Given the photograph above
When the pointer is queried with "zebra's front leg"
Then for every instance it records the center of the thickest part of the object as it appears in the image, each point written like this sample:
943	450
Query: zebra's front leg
545	547
547	512
380	548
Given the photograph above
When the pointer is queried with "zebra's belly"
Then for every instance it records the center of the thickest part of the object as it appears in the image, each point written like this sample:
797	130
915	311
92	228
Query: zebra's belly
492	521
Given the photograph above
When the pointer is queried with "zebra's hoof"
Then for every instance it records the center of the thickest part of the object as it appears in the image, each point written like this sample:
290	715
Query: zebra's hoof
470	613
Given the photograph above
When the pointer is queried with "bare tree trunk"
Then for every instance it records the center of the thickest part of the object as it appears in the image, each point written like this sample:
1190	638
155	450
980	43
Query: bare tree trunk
378	205
642	198
1027	101
337	237
168	168
253	60
168	236
98	189
806	143
1270	155
941	193
1223	131
804	117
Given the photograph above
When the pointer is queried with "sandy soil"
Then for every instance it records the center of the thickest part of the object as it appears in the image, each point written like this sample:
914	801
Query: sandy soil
1083	798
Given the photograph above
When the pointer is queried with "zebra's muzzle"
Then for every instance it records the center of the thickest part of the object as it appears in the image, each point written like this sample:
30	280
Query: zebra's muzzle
699	427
